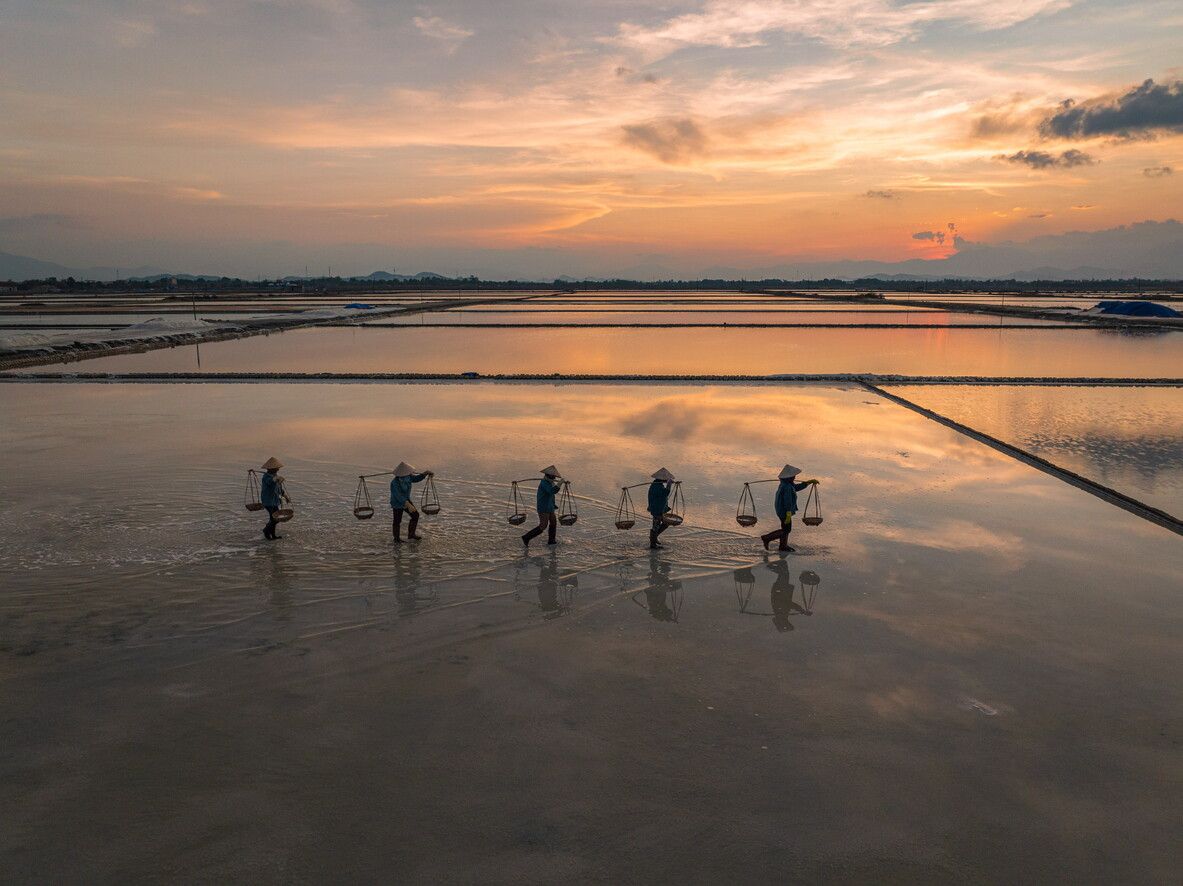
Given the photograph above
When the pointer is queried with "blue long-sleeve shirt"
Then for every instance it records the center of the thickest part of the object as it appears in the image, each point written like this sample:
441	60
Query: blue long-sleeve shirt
786	497
400	489
547	490
270	490
659	497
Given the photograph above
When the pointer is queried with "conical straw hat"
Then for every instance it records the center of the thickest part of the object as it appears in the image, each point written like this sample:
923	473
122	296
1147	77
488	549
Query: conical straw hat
662	474
789	472
552	470
403	470
272	463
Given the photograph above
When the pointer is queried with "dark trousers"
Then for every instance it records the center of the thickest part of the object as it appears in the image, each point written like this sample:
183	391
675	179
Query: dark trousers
548	521
782	533
398	522
269	529
659	526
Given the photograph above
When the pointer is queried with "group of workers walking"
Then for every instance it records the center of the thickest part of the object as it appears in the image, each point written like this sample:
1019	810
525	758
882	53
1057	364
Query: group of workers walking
272	494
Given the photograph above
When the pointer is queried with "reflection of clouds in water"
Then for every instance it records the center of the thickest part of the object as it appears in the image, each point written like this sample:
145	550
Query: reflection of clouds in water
1127	436
950	501
1146	457
680	419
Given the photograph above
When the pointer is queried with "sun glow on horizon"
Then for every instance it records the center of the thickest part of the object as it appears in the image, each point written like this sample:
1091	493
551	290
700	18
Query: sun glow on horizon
719	131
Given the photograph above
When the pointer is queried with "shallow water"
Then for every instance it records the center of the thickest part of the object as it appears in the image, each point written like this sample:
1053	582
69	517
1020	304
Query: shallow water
828	316
951	351
970	670
1130	439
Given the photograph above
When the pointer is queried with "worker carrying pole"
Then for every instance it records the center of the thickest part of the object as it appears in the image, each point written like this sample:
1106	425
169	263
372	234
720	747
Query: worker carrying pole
785	505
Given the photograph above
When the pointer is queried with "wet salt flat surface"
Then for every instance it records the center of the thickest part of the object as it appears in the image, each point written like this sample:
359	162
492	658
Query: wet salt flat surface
1130	439
1083	302
952	351
558	316
970	671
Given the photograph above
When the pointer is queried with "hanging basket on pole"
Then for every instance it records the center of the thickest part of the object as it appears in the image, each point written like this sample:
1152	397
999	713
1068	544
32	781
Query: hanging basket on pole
568	514
282	515
514	513
813	500
251	495
626	514
677	507
363	507
745	511
429	500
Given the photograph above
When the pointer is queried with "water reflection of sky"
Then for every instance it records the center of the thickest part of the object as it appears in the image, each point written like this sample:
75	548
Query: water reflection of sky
1128	438
829	316
964	639
115	492
1043	352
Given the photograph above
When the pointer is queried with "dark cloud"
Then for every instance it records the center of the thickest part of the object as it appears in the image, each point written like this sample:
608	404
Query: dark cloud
1040	215
1158	171
935	236
1044	160
1142	111
880	195
676	140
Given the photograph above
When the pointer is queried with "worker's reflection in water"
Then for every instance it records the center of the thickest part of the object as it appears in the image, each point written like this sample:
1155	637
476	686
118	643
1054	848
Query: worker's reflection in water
274	574
783	604
781	596
407	584
663	595
555	593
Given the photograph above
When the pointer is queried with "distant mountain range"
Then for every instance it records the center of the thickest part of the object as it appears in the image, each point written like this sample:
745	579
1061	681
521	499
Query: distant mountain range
1146	250
20	267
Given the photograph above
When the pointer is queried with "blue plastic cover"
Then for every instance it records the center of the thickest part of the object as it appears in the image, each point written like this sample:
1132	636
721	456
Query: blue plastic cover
1136	309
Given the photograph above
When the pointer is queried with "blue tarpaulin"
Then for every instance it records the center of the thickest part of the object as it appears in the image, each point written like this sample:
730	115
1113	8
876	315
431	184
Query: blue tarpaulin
1136	309
360	306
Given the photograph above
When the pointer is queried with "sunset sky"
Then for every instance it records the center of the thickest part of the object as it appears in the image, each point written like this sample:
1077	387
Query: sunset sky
530	136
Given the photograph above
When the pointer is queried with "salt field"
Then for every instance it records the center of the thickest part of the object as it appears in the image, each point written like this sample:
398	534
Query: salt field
1127	438
951	351
804	316
923	651
906	674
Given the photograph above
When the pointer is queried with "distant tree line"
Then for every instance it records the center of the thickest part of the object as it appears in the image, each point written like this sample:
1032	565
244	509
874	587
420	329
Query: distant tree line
210	287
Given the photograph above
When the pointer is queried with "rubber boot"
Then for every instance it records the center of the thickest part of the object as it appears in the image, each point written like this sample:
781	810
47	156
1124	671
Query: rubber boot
397	526
550	532
411	536
531	535
653	543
